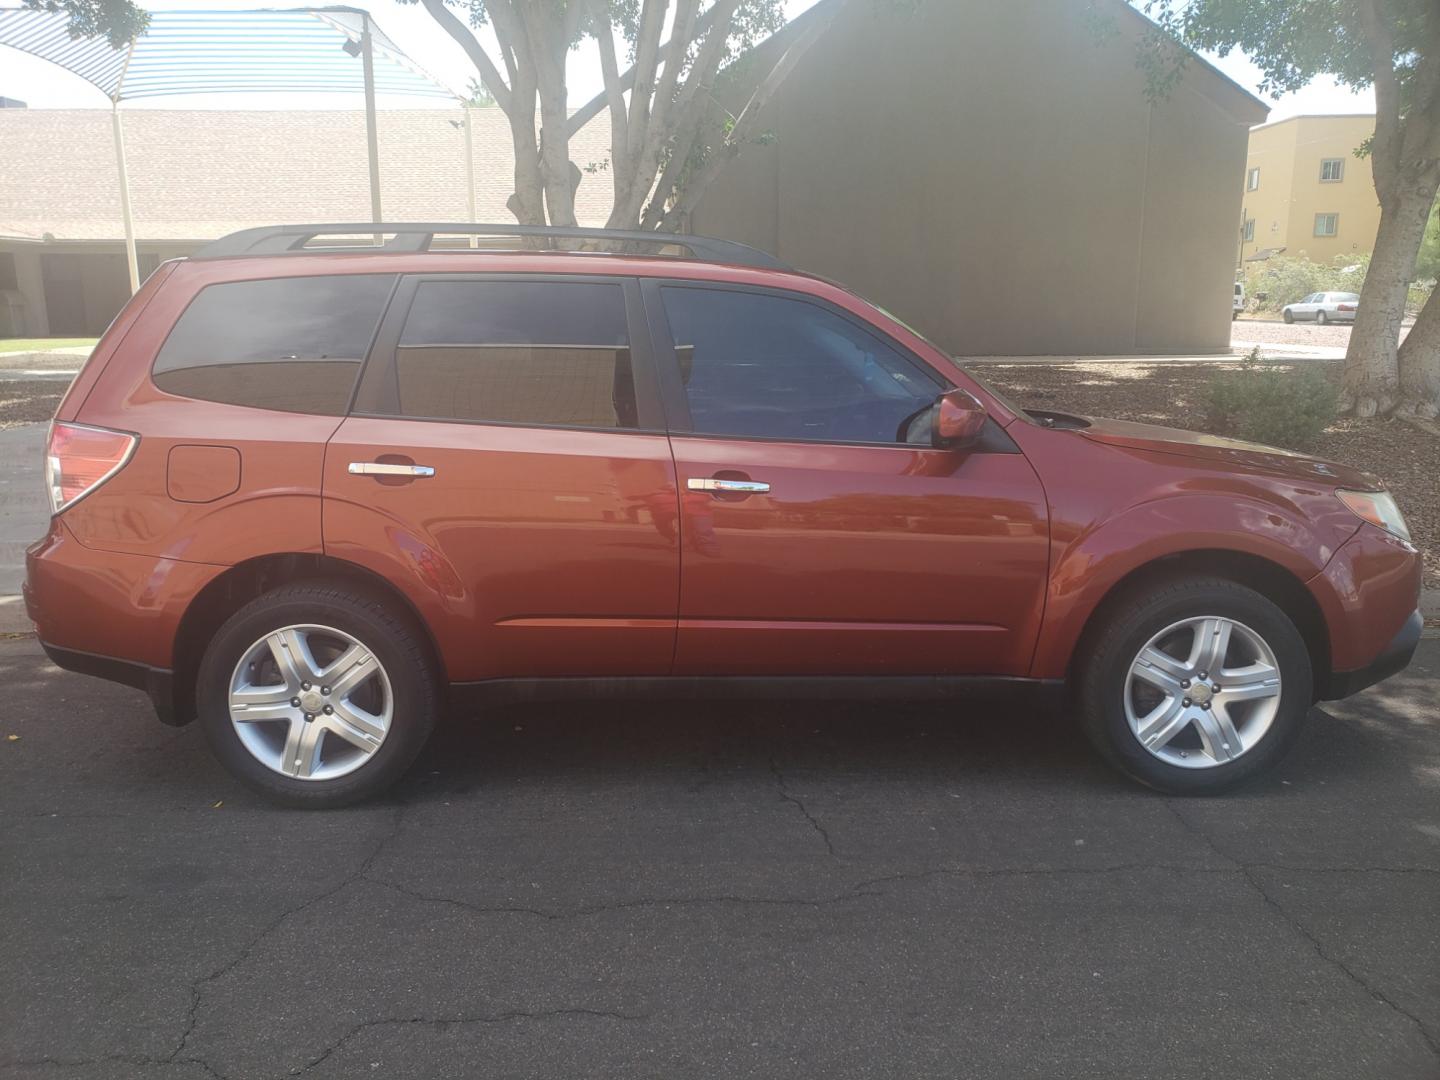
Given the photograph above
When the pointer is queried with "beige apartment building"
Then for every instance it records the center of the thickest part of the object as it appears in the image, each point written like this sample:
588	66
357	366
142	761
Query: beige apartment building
1306	193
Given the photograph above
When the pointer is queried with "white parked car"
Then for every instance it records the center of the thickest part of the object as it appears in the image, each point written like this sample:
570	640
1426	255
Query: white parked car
1239	300
1323	307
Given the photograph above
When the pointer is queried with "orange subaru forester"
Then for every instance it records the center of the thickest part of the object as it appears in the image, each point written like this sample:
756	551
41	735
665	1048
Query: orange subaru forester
310	489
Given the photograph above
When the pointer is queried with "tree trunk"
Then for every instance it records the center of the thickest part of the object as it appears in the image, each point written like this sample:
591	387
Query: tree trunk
1420	363
1372	377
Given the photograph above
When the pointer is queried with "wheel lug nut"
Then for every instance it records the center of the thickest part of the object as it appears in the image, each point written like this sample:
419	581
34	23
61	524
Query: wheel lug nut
325	690
1186	703
306	685
295	702
309	717
1185	684
328	710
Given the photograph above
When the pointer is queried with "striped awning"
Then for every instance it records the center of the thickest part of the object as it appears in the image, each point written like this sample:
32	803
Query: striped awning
209	52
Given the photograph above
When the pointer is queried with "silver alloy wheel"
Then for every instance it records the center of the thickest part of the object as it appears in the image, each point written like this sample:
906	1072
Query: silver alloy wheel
311	702
1202	692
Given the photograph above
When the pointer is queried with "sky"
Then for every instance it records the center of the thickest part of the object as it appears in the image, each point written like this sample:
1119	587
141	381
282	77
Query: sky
44	85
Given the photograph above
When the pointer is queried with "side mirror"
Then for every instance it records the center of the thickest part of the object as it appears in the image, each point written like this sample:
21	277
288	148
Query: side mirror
959	420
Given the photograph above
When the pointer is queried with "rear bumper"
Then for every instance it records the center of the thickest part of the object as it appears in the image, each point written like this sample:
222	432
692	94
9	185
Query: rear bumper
108	603
112	615
158	683
1391	660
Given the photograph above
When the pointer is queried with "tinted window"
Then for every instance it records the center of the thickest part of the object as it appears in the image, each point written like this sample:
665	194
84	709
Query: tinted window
294	344
763	365
520	352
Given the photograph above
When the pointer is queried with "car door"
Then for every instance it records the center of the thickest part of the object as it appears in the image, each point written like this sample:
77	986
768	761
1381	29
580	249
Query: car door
1307	308
815	540
505	462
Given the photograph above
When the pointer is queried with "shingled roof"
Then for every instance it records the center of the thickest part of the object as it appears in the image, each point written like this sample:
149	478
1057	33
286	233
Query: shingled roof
196	175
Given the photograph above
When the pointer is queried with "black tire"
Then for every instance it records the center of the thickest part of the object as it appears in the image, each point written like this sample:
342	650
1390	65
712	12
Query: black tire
1321	318
1131	621
1287	316
393	641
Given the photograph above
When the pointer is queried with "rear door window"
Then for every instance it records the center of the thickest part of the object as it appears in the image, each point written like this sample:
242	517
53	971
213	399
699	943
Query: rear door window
541	353
292	344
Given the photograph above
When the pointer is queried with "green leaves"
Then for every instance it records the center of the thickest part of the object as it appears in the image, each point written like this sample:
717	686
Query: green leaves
118	21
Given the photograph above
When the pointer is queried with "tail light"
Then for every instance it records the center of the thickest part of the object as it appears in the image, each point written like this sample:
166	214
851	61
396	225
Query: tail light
1346	307
81	458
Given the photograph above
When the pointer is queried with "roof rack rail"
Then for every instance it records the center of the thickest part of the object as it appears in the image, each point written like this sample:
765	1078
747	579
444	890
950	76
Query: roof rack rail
413	236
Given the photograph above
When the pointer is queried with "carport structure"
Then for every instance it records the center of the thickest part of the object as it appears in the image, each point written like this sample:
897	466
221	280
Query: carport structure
299	50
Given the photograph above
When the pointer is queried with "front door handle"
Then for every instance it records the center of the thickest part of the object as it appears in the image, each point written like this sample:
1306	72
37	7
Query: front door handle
386	468
734	487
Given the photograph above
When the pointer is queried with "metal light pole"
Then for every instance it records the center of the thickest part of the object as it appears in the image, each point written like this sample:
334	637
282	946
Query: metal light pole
372	137
132	258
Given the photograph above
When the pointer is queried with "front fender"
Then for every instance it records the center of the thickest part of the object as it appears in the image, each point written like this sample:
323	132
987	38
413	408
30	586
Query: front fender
1089	566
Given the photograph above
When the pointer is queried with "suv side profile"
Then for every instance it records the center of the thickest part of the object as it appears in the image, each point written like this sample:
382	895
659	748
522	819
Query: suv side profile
312	494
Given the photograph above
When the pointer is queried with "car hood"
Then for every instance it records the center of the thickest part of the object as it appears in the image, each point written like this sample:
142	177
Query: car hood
1214	448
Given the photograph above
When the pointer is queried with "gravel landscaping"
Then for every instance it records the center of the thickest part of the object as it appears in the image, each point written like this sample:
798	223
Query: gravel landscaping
1173	393
29	401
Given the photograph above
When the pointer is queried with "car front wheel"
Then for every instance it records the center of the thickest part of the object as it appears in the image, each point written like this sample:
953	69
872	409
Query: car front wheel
316	695
1288	316
1195	685
1322	318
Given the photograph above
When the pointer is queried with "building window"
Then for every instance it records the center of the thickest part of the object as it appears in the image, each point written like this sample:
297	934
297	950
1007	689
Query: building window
1249	231
1327	224
1332	170
1252	180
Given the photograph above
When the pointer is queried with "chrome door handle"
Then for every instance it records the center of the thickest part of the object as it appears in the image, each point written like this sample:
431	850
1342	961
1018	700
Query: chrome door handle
741	487
385	468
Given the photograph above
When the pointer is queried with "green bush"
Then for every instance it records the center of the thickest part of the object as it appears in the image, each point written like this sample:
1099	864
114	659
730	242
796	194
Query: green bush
1268	403
1282	280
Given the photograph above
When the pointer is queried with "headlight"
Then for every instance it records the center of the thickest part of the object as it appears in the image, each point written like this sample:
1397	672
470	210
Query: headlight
1378	508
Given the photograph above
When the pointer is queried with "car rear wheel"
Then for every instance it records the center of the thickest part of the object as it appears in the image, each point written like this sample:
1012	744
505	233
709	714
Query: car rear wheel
316	695
1195	685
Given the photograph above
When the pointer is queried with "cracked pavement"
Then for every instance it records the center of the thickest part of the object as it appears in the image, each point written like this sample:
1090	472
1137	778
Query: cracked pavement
600	890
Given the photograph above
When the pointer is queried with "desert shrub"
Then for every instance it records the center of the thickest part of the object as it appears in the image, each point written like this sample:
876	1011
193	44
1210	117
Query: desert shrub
1269	403
1283	280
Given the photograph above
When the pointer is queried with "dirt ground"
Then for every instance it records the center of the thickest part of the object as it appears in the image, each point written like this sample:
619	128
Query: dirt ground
1172	393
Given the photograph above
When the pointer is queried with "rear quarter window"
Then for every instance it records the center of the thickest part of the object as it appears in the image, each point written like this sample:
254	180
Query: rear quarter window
291	344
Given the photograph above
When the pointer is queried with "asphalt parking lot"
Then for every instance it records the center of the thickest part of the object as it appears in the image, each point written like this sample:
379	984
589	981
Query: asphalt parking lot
718	891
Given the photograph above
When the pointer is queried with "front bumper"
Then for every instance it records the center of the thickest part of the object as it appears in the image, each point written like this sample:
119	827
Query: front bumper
1368	594
1391	660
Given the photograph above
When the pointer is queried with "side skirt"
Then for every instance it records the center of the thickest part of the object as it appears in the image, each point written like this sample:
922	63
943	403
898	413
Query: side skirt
1044	694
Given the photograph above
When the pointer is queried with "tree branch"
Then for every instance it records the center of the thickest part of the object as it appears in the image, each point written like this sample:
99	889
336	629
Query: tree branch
647	56
746	121
489	74
614	94
591	109
1385	148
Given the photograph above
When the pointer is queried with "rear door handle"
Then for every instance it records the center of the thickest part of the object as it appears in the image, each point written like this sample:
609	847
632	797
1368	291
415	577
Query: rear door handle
738	487
385	468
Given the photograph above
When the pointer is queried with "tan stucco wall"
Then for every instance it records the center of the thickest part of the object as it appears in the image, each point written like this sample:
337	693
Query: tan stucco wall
1291	192
994	176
